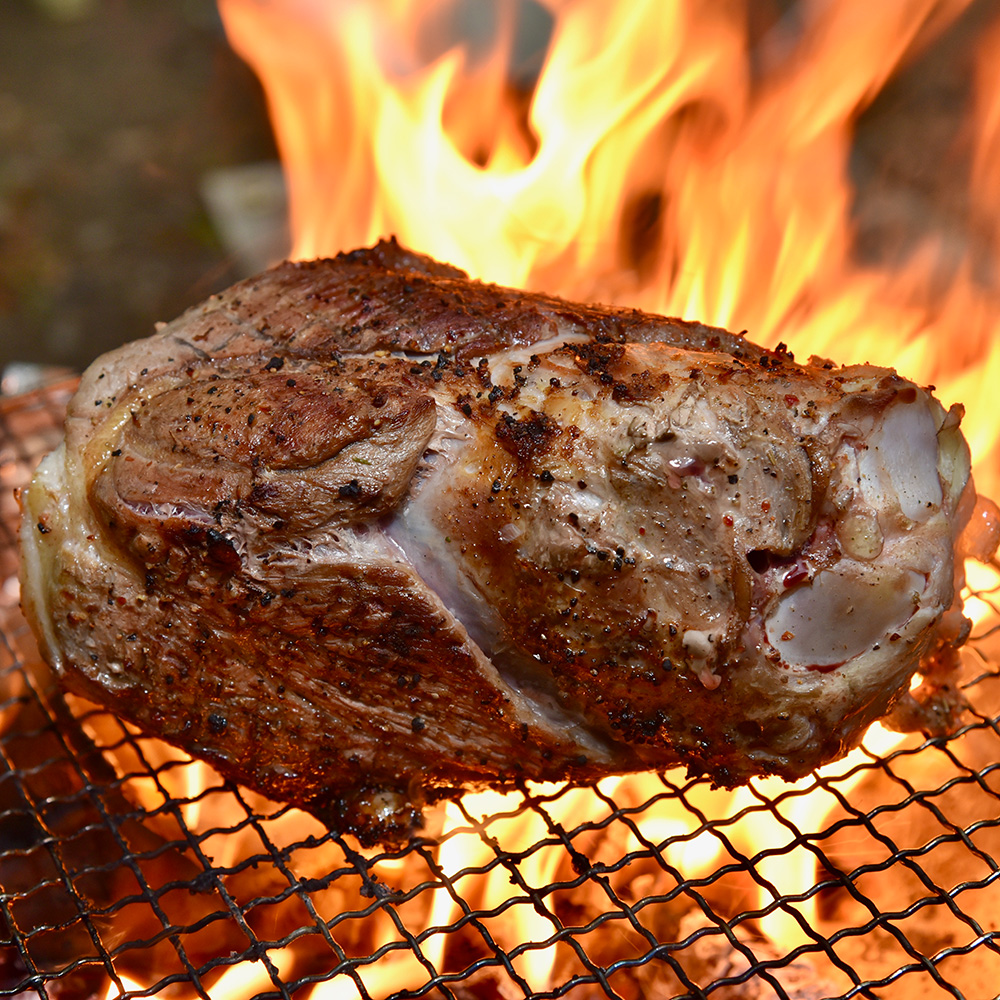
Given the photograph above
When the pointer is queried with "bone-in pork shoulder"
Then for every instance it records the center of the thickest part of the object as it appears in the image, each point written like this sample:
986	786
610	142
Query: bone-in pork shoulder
361	532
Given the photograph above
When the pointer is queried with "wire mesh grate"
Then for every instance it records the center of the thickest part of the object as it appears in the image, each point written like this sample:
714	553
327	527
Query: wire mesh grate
128	869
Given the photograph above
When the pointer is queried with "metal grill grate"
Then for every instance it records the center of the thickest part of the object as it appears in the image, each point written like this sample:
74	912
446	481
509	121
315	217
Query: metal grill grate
128	869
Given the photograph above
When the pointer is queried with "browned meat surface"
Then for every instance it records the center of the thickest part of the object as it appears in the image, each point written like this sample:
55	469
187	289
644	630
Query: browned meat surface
361	532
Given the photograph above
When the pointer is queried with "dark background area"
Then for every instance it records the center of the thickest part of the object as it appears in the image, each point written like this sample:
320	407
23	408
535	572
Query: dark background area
114	112
111	114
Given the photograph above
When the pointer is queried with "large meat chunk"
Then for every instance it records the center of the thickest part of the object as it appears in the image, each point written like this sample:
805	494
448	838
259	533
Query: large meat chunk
361	532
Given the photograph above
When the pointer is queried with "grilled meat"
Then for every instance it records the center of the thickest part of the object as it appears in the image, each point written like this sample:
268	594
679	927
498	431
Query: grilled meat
362	532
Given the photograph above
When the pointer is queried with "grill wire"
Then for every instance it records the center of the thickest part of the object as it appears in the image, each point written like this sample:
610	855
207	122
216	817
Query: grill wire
128	870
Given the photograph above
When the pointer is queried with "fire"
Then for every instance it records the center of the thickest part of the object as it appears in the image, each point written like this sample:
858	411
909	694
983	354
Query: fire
654	158
658	161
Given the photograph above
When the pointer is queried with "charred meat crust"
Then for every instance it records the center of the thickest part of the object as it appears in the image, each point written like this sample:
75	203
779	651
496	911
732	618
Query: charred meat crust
362	532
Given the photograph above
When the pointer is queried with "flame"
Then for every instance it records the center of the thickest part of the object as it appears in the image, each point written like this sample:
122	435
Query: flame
658	161
655	155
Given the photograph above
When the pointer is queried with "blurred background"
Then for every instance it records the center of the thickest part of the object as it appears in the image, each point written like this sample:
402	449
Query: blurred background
138	171
123	128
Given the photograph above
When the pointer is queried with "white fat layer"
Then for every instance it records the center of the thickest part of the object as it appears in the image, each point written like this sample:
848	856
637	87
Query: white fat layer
846	610
900	461
884	578
503	363
69	554
416	538
48	481
417	535
420	550
416	531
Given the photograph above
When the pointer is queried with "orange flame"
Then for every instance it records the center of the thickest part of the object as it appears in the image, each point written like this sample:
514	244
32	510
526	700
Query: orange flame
659	161
666	155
